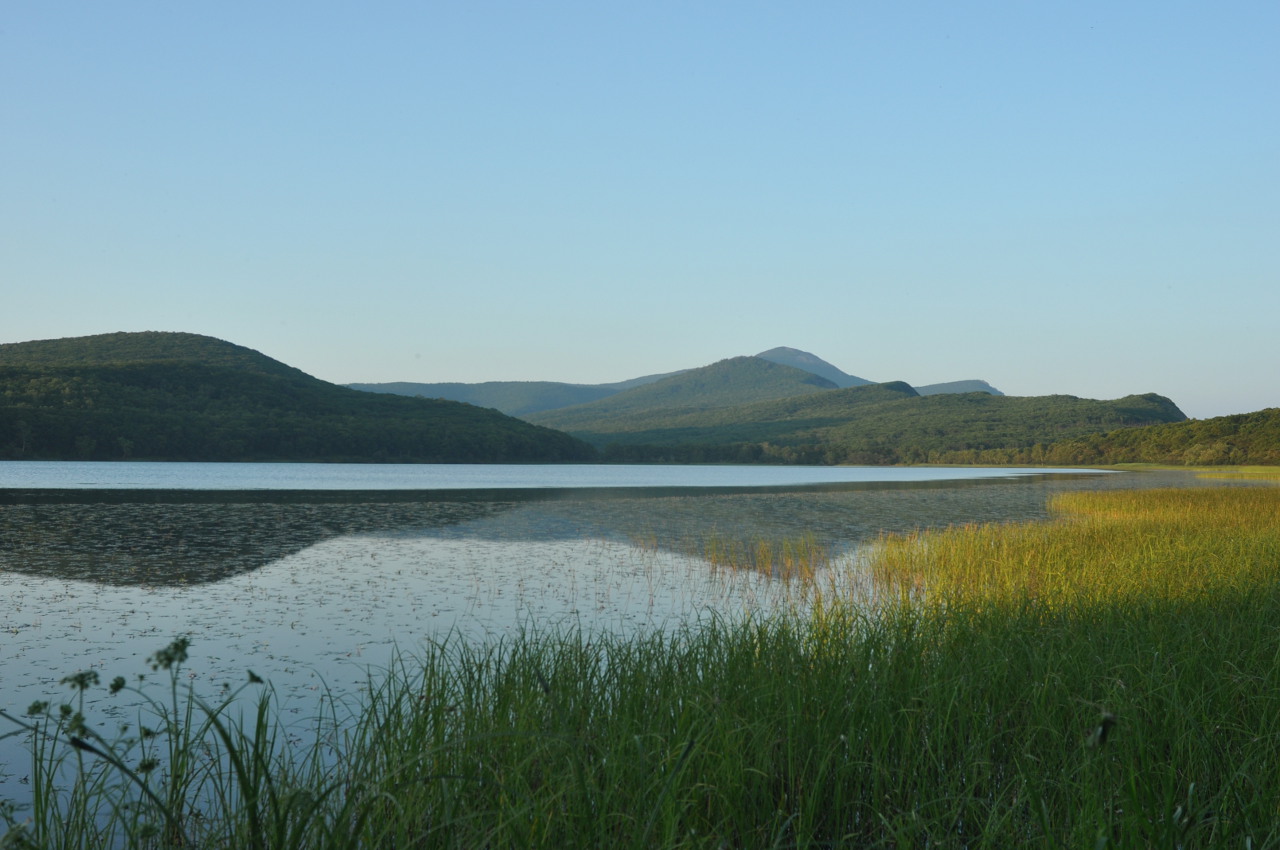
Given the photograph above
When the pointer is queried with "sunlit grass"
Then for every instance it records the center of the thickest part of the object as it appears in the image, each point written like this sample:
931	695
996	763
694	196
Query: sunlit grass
1107	679
1243	473
1108	548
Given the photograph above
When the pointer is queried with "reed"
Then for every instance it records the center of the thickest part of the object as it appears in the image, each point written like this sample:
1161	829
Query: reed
1108	679
791	559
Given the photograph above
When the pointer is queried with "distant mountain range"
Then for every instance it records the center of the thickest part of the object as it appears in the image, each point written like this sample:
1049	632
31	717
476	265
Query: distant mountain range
791	406
524	398
175	396
752	409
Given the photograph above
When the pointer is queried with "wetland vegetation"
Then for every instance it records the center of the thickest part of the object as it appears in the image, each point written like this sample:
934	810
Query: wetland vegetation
1106	677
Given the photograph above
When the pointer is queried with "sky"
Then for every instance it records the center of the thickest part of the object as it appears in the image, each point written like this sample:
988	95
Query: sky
1078	198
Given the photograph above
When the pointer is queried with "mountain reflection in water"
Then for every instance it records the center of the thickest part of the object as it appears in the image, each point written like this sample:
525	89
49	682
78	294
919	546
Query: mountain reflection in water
166	538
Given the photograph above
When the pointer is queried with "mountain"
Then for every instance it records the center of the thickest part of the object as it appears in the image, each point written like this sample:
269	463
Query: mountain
728	383
177	396
798	359
526	398
872	423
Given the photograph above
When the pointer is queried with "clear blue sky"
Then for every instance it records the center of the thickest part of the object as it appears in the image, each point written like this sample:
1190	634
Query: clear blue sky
1076	198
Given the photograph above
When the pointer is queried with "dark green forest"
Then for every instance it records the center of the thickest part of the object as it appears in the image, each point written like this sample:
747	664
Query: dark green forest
175	396
1243	438
1247	438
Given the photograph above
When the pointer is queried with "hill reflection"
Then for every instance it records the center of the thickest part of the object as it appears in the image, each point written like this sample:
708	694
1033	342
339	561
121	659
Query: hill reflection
170	538
174	543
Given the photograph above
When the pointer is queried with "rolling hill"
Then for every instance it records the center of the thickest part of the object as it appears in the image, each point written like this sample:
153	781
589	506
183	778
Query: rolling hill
525	398
177	396
728	383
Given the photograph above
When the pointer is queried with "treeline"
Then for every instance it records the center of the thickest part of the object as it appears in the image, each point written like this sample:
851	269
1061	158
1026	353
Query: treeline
875	425
1251	438
205	400
1246	438
752	453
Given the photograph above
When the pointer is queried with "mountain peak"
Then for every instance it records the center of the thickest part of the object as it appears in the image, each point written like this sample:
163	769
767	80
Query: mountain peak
813	364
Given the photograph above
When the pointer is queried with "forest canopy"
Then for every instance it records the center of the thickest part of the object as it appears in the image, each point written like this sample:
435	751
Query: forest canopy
172	396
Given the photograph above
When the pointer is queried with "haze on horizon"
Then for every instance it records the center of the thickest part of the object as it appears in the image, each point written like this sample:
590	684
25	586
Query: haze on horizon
1057	198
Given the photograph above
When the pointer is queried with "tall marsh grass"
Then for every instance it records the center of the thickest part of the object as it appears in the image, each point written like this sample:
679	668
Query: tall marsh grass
1109	679
1110	549
795	559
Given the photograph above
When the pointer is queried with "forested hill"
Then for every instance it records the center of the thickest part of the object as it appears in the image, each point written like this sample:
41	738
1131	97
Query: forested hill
1243	438
871	424
728	383
177	396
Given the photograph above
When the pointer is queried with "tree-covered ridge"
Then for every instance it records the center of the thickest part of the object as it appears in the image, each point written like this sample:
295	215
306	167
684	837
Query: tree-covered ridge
728	383
162	396
880	423
769	420
1243	438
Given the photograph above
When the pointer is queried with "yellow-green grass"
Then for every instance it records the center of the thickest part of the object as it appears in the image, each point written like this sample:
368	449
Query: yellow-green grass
1107	679
1256	472
1108	548
1244	473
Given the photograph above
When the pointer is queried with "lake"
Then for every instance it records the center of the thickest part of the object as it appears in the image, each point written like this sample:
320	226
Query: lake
431	477
311	575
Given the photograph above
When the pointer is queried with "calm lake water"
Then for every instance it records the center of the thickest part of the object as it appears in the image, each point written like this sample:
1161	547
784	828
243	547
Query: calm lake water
310	575
351	476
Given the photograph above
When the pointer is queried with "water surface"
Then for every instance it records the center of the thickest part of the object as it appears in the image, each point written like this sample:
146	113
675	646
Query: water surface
373	476
311	588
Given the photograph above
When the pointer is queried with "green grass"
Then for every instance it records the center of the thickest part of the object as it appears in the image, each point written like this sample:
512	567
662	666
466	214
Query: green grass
1108	679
